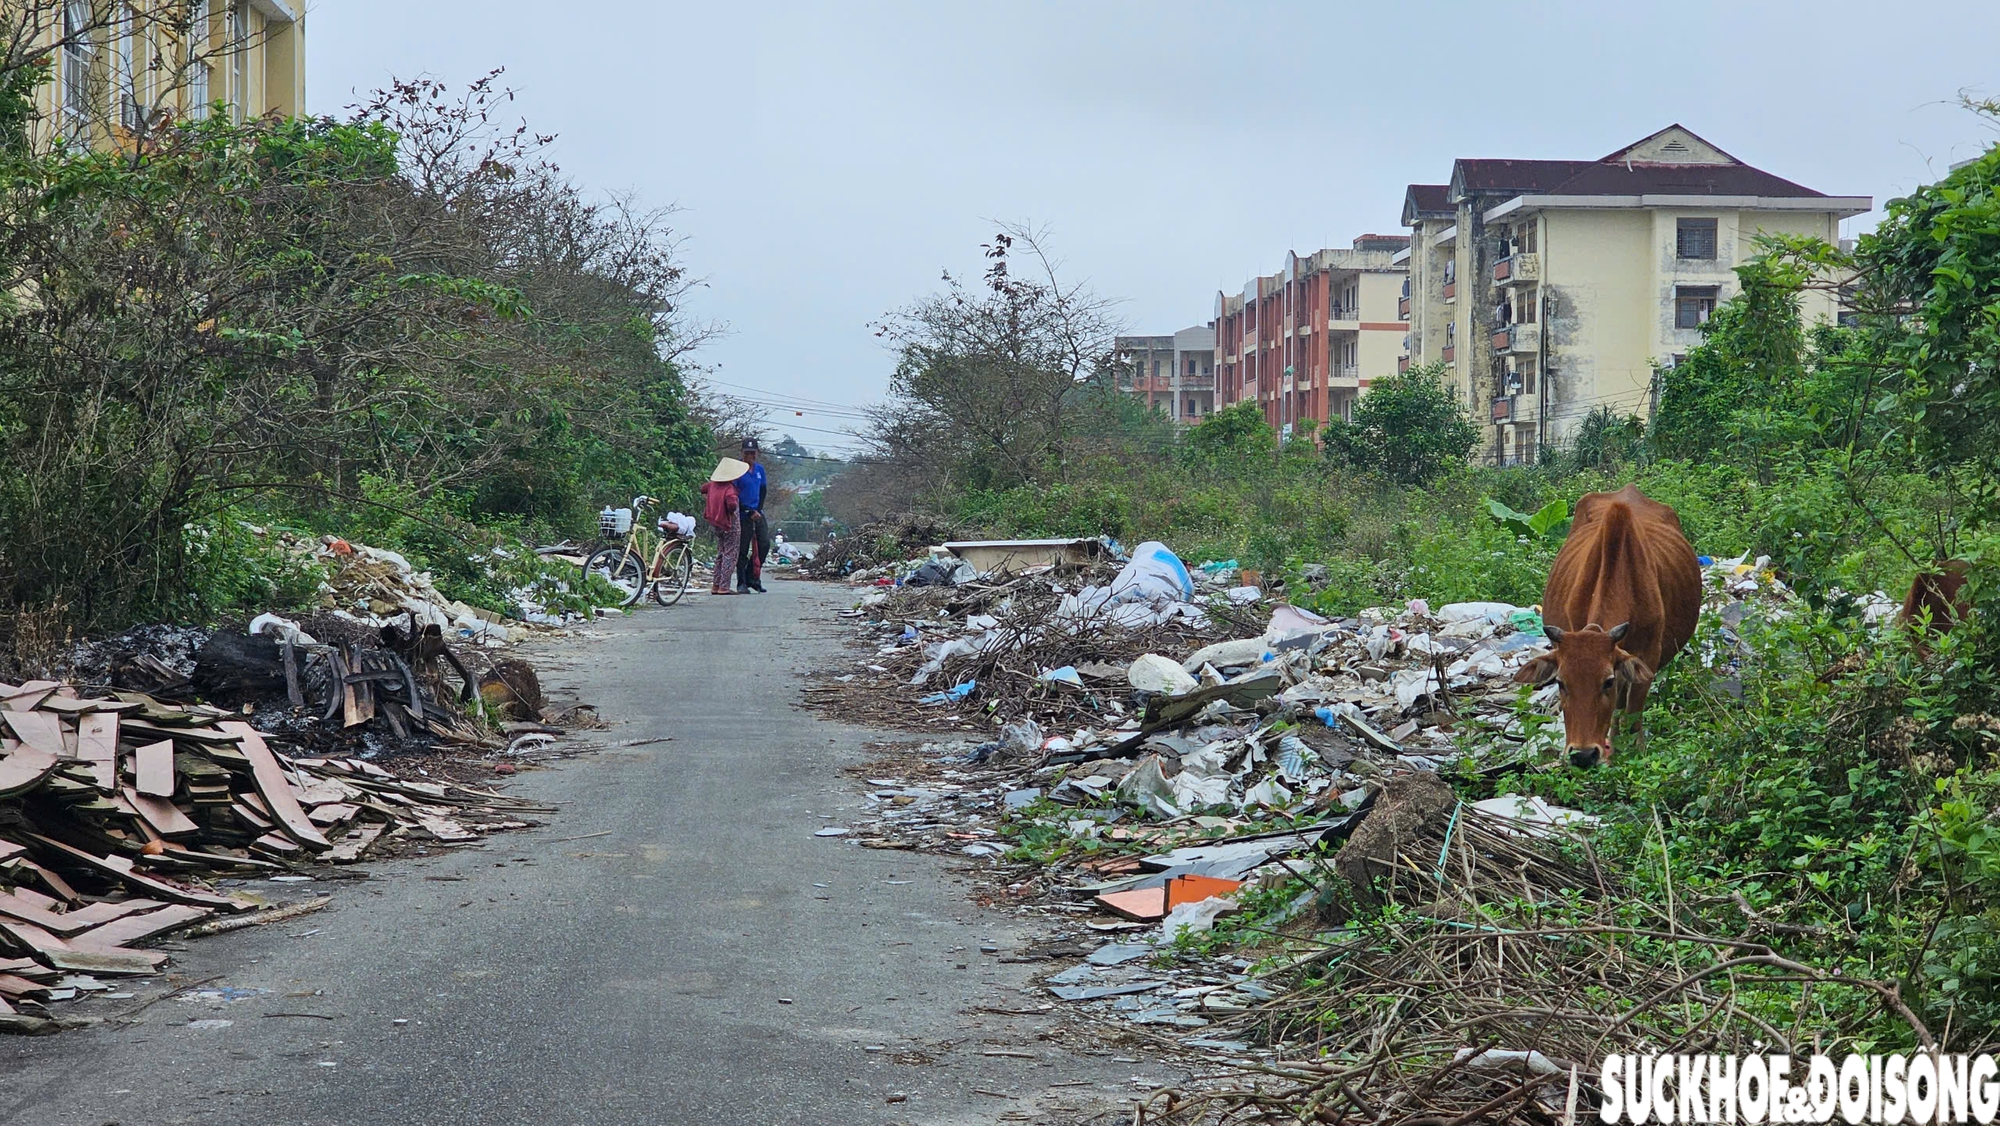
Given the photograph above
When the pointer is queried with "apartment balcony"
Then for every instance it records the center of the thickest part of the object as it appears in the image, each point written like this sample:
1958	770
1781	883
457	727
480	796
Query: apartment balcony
1345	375
1503	409
1523	267
1450	353
1342	313
1402	364
1450	290
1403	309
1518	338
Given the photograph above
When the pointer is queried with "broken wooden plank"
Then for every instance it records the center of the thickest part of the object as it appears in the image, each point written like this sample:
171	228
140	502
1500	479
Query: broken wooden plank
40	730
31	936
57	886
250	816
121	868
25	769
28	696
137	928
153	765
34	898
53	922
108	961
97	744
105	910
21	987
273	785
69	705
333	813
278	844
348	849
164	816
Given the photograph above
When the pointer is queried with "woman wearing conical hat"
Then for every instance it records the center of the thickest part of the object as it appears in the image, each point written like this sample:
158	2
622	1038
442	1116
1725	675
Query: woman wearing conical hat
724	512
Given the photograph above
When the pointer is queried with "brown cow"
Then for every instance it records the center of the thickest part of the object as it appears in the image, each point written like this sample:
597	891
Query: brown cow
1622	598
1940	591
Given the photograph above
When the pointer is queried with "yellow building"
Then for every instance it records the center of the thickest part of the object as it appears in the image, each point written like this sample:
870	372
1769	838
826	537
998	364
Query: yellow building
122	68
1552	288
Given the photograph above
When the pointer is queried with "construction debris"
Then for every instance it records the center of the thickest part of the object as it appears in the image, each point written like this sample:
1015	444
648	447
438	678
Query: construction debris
116	809
1139	757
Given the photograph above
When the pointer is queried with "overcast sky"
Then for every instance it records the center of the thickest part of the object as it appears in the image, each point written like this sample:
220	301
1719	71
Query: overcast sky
833	158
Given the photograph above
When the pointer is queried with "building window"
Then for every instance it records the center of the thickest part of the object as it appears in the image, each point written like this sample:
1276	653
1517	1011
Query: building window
77	56
1693	305
1450	333
1694	238
239	51
128	68
197	53
1156	369
1527	377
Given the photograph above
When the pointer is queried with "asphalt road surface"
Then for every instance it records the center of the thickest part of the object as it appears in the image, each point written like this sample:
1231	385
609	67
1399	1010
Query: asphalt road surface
683	966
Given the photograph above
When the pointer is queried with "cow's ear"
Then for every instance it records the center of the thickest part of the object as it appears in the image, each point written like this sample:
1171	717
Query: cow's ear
1632	672
1537	672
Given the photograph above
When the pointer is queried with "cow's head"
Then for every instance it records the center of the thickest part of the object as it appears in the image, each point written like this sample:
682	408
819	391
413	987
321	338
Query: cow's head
1593	676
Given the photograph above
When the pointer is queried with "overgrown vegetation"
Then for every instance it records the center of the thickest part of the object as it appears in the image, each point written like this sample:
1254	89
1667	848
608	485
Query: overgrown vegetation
1826	785
404	326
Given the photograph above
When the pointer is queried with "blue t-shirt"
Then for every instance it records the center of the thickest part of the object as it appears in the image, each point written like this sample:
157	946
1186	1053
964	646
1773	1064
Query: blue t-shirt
750	488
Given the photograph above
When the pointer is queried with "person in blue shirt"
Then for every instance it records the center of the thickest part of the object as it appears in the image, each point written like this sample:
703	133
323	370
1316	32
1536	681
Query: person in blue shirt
756	529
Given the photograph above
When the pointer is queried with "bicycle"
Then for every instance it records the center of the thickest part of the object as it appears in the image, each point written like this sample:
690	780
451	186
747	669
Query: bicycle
638	565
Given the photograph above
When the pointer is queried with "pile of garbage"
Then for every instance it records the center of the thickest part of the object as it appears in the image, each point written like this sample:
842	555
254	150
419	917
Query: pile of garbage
118	809
878	542
375	586
332	683
1140	757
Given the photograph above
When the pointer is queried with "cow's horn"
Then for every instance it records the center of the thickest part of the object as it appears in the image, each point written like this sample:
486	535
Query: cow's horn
1554	633
1618	631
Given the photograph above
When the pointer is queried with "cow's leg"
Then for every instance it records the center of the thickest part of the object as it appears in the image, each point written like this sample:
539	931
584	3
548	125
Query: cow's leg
1635	710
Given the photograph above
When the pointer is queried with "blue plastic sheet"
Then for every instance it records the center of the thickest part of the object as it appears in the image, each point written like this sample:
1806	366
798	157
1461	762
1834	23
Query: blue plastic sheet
951	695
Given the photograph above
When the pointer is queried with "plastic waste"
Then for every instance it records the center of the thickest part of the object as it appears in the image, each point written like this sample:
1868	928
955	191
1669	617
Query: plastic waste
1064	675
281	628
1288	621
1243	595
1147	788
1195	918
1223	654
1532	815
943	572
951	695
1526	621
1270	792
1154	673
1154	571
1021	739
1494	612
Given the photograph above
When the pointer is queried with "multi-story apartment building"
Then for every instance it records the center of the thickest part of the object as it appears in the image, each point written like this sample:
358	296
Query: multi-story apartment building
1305	342
1175	374
123	67
1551	288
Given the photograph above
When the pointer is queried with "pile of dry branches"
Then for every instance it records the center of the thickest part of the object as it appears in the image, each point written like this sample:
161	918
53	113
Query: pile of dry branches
889	540
1506	966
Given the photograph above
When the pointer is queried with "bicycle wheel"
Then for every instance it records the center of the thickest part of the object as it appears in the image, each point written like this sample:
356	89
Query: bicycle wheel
676	576
620	567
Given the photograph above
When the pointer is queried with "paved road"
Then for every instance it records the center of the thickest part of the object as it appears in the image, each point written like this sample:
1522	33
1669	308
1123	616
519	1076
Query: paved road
635	977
